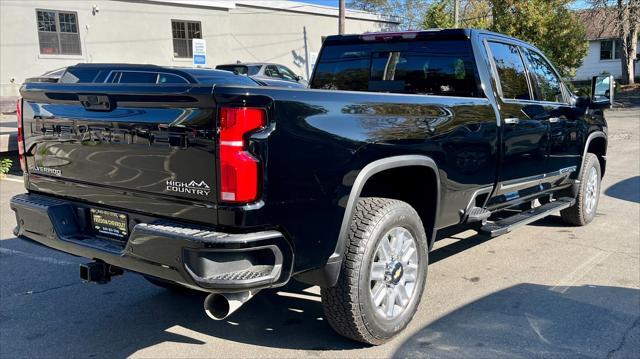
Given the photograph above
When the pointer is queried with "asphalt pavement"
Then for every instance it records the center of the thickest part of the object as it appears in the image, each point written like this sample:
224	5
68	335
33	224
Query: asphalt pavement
544	290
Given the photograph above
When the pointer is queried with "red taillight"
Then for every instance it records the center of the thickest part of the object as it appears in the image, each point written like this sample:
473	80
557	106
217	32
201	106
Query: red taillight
385	36
23	163
239	170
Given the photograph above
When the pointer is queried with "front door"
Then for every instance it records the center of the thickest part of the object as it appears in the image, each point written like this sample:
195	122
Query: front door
524	126
565	145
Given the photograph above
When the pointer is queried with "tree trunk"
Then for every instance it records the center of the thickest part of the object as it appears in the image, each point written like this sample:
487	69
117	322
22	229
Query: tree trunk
628	32
631	58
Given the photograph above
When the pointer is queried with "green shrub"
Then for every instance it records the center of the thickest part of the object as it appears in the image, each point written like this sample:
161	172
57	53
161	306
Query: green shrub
5	166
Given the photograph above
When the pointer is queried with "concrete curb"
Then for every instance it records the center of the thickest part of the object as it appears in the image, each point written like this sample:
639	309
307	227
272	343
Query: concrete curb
13	178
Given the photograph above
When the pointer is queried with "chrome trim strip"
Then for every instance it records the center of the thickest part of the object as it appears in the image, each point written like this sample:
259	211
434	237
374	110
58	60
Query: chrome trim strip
535	180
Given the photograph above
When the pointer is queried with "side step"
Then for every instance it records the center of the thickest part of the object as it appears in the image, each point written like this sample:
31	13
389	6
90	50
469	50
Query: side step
477	214
508	224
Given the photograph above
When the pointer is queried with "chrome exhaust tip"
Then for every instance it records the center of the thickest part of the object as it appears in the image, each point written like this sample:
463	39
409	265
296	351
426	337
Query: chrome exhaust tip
219	306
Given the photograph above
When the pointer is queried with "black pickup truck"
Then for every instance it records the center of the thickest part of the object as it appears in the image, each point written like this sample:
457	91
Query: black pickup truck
228	188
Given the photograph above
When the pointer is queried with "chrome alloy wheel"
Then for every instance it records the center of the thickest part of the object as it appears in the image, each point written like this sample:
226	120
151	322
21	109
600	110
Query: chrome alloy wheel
393	274
591	191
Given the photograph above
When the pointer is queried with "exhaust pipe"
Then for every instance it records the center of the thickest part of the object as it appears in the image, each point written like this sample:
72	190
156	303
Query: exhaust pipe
218	306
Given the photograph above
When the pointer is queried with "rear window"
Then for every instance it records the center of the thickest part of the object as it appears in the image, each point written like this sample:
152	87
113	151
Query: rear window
253	70
79	75
130	77
416	67
240	69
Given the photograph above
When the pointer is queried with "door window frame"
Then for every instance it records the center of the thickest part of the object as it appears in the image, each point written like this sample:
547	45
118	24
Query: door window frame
496	76
555	72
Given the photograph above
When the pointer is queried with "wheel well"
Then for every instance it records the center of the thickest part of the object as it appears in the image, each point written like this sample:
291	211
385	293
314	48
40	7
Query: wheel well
598	146
415	185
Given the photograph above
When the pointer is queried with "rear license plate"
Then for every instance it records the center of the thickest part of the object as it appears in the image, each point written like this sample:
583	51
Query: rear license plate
109	223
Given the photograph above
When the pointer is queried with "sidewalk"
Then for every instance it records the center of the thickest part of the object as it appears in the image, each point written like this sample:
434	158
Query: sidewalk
8	133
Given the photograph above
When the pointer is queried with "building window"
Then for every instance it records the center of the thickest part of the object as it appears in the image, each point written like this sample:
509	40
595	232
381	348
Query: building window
58	32
610	49
183	33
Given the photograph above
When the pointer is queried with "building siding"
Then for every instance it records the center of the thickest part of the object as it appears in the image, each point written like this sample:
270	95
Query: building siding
140	32
592	65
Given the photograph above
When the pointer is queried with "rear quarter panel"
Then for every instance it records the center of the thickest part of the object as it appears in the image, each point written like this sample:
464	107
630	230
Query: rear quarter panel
319	140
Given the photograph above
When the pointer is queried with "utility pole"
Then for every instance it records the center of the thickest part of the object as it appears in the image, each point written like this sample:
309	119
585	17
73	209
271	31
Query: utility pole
341	18
306	51
456	10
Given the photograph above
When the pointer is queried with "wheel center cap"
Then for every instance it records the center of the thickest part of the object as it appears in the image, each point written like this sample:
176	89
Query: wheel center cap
395	272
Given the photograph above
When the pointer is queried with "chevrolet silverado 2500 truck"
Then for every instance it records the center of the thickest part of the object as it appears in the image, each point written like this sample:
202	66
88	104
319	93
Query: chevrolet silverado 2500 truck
213	184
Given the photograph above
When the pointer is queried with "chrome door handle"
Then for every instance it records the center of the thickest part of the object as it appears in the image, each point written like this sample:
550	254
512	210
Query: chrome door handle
512	121
554	119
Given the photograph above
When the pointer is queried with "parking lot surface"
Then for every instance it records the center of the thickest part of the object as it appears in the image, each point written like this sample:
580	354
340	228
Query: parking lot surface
544	290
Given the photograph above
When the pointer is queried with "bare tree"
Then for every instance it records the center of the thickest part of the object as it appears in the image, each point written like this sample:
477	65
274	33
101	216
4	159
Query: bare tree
624	17
408	12
628	24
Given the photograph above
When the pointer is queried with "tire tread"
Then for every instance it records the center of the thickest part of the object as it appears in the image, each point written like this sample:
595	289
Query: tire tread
575	215
340	303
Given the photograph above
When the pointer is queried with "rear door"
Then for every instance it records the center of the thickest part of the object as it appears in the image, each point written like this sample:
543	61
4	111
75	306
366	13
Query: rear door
524	127
146	141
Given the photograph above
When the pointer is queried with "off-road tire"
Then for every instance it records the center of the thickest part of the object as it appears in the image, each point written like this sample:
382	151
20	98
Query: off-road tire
577	214
347	306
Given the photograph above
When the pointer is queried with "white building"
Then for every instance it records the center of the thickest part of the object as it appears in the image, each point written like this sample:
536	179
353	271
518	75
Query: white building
604	47
41	35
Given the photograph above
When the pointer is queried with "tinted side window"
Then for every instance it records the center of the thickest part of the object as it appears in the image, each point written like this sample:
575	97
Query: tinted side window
272	71
286	73
170	79
129	77
545	81
416	67
511	73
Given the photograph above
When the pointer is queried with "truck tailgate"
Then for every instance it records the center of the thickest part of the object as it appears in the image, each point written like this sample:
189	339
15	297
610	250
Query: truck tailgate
154	141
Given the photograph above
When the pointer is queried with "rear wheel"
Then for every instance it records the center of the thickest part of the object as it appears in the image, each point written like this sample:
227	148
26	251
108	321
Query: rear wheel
383	272
584	210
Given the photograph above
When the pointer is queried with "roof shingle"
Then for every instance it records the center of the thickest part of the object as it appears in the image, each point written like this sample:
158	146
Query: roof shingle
599	23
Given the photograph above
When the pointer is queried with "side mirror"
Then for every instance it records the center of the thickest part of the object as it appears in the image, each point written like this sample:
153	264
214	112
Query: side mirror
582	101
298	78
602	89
